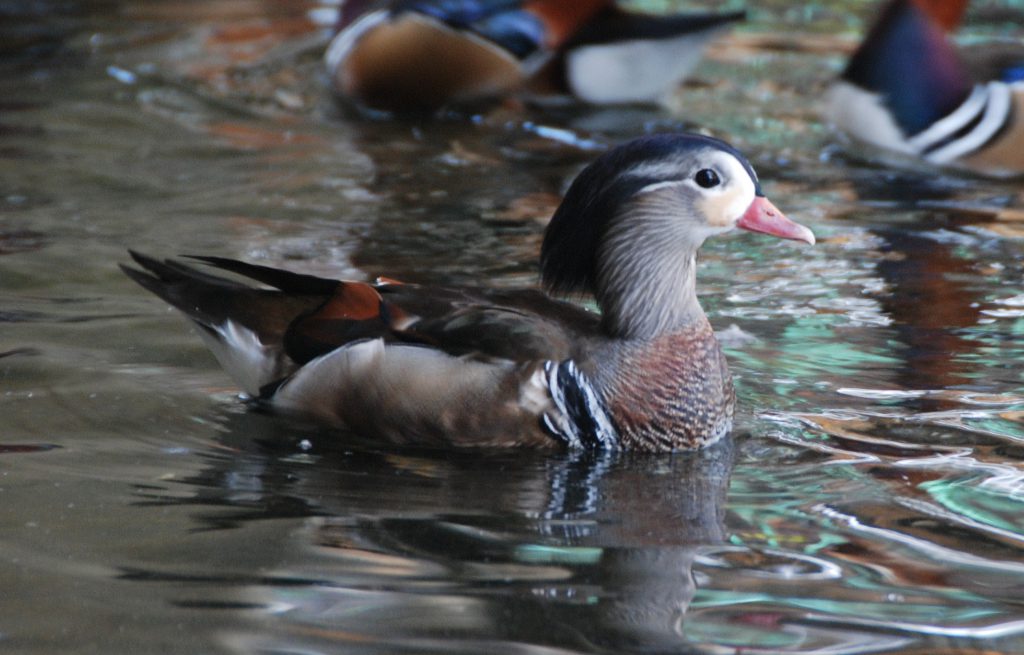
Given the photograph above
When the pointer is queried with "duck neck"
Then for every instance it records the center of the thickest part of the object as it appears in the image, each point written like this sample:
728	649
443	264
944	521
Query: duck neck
644	296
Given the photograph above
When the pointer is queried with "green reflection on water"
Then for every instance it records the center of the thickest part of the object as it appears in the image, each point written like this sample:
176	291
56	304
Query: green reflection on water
903	611
997	505
537	553
812	349
811	344
996	425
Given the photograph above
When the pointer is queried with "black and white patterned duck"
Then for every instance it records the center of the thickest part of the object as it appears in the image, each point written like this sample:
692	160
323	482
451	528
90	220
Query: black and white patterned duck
908	90
413	364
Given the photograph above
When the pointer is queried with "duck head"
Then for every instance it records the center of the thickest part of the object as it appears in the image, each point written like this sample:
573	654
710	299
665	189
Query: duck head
630	225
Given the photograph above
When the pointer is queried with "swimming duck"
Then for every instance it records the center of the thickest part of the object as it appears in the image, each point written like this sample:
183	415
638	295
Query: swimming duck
412	364
415	55
906	90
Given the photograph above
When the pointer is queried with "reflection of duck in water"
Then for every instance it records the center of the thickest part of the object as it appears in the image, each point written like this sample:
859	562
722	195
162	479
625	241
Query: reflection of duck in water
422	54
906	90
485	554
930	293
477	367
931	307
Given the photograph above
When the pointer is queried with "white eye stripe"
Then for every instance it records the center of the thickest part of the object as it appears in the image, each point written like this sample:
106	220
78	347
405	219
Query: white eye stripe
728	170
661	185
675	183
660	169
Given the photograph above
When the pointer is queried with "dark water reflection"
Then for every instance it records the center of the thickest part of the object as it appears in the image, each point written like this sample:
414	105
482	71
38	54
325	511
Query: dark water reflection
421	551
869	502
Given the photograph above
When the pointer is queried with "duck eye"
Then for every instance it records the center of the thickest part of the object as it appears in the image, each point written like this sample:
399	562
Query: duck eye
707	178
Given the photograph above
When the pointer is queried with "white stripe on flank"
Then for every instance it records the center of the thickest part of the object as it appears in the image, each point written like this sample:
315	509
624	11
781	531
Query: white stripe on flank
952	123
345	40
606	434
997	111
564	422
561	424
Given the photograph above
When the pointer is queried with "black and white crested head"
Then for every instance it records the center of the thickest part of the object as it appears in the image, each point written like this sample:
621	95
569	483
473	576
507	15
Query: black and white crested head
632	221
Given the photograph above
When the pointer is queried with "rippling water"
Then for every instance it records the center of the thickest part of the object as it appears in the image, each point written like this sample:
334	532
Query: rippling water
869	502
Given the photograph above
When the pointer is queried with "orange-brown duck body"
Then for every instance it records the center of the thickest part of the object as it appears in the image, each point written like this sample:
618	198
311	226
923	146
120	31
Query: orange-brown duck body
411	364
419	55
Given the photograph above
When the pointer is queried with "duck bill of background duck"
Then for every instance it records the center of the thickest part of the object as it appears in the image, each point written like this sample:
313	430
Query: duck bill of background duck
763	216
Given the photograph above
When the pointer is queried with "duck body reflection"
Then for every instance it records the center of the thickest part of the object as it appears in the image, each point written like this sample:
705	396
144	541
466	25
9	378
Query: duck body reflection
406	550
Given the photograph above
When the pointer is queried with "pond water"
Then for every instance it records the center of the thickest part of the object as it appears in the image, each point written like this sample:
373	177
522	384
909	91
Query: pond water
870	500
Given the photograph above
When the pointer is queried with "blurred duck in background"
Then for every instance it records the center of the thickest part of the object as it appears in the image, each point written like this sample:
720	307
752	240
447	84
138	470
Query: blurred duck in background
907	89
420	55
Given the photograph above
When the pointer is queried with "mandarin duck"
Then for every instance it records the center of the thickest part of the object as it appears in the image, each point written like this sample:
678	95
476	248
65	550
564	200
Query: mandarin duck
415	55
411	364
907	90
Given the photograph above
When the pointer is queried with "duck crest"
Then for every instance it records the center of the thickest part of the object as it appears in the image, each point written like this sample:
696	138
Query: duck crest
672	392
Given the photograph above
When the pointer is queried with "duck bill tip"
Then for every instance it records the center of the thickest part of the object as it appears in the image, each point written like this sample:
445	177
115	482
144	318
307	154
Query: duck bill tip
764	217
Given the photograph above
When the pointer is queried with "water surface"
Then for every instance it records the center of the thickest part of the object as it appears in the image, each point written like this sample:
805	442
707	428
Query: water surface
868	502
